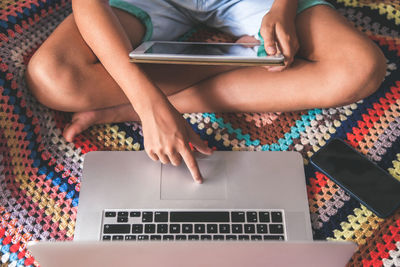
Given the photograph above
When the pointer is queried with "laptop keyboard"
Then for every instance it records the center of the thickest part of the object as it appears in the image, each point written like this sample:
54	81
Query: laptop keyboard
167	225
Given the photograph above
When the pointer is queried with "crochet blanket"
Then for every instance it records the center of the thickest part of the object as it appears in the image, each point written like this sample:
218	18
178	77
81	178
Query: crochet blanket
40	172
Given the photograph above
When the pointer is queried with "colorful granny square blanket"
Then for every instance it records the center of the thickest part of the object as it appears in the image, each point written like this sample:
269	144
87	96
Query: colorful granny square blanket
40	171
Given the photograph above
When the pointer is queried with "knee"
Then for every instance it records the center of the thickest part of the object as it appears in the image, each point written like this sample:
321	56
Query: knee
53	80
357	75
369	72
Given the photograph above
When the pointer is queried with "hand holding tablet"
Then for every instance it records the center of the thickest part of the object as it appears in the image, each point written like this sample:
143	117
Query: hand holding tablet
201	53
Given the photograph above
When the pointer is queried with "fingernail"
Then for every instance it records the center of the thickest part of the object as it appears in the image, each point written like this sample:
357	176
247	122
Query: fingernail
271	50
199	181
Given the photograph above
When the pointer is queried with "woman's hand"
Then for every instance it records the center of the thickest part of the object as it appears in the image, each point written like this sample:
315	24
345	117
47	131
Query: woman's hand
279	31
167	135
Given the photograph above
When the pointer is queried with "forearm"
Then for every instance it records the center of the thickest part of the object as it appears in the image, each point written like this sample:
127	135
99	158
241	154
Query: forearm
103	33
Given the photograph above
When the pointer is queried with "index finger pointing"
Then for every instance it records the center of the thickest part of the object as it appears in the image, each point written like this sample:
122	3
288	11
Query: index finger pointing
191	163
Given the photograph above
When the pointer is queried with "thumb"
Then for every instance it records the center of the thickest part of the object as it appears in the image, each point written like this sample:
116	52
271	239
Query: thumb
268	34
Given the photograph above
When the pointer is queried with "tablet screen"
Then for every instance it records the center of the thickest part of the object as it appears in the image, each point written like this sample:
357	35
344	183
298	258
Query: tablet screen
248	50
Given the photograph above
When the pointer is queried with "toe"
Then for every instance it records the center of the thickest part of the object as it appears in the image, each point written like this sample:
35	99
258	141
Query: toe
68	132
79	123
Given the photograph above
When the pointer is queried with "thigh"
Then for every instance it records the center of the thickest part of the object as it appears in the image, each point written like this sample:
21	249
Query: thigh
67	45
325	35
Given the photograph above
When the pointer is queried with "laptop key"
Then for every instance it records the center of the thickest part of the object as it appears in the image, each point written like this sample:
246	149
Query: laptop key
193	237
218	237
212	228
262	229
244	237
237	228
130	237
187	228
142	237
276	216
122	219
149	228
110	214
106	237
276	228
199	228
155	237
231	237
160	216
249	228
224	229
251	216
118	237
134	214
147	216
122	214
264	216
205	237
168	237
256	237
117	228
137	228
180	237
237	216
162	228
274	237
174	228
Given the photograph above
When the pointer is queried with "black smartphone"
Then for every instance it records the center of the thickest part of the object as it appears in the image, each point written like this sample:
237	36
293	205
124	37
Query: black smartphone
367	182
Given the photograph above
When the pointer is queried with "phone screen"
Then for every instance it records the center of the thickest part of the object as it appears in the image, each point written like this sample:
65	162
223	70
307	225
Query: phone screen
198	49
370	184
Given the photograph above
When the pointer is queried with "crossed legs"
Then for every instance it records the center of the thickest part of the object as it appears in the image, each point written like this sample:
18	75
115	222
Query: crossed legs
337	65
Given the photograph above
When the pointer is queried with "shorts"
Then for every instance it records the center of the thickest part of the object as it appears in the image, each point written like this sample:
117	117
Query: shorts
167	20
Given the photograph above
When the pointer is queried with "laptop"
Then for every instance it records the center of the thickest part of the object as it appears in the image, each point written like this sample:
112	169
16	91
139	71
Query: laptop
251	209
255	196
193	254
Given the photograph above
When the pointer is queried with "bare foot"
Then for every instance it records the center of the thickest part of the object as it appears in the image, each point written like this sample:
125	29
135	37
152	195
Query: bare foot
83	120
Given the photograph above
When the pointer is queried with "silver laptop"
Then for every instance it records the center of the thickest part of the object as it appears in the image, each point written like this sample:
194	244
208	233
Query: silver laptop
193	254
255	196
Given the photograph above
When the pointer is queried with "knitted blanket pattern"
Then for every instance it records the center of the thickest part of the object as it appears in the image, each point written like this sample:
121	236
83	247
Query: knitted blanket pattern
40	171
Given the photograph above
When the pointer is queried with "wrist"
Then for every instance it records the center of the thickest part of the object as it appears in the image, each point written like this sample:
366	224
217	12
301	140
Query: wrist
141	92
149	102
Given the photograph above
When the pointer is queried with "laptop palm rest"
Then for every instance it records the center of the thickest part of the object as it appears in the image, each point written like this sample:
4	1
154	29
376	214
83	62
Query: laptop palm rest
177	182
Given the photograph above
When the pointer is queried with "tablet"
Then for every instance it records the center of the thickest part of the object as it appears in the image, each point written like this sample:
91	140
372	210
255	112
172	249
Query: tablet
200	53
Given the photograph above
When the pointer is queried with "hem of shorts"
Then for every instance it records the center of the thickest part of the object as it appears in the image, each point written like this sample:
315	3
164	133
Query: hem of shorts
305	4
138	13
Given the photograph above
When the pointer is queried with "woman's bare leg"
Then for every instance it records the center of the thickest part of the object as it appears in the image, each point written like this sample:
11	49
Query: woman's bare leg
64	73
340	66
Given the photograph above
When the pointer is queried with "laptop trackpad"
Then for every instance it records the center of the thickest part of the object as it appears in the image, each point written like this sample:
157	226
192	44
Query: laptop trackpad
177	183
